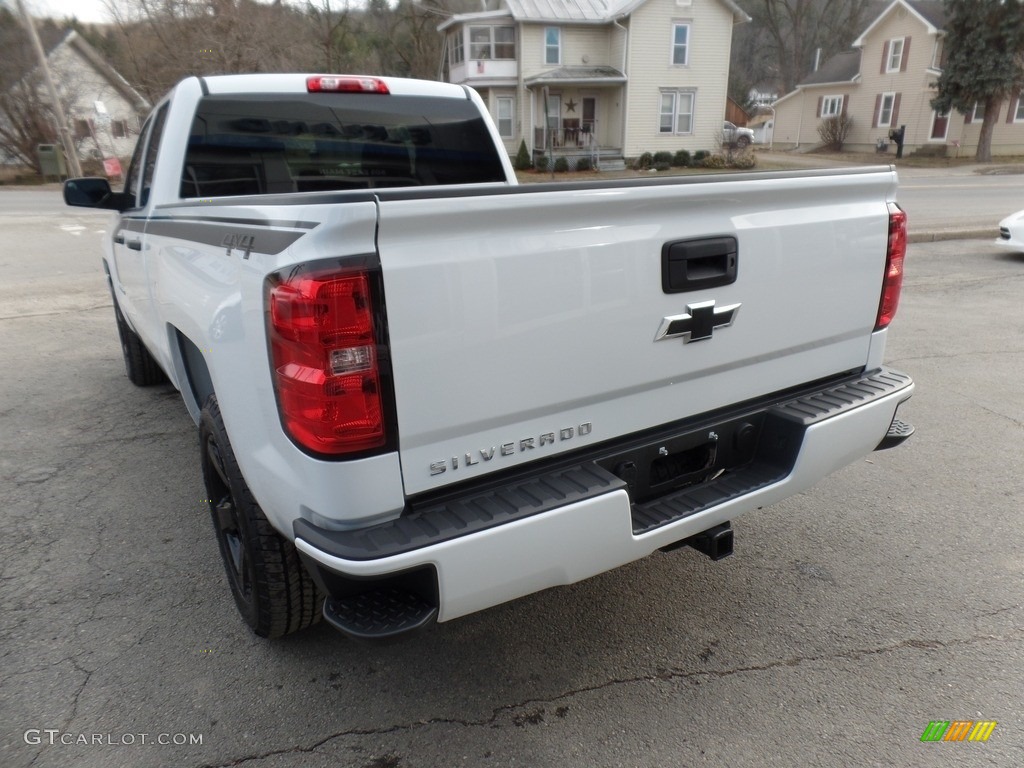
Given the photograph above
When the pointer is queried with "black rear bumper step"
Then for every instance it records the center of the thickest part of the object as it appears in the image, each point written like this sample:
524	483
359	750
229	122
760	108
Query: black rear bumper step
739	462
899	431
379	613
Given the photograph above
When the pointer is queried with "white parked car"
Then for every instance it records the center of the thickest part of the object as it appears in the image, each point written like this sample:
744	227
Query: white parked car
1011	232
734	135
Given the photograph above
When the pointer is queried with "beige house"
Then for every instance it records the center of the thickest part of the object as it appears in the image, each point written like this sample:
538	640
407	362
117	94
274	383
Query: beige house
603	79
886	82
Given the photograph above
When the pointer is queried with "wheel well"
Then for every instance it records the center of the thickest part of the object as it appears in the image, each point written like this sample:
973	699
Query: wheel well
194	372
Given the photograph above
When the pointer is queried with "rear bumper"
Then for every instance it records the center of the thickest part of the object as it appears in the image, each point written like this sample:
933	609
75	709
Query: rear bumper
492	544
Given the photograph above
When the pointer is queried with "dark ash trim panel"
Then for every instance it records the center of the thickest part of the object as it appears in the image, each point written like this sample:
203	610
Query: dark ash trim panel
241	234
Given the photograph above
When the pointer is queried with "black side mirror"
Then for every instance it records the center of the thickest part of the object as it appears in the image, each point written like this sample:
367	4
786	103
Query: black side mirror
93	192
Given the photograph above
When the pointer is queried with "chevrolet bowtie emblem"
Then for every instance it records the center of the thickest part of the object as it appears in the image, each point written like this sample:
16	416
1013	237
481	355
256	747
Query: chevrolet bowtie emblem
698	323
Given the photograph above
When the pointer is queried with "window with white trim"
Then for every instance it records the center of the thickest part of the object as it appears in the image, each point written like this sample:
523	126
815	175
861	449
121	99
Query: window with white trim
675	115
492	43
504	42
978	115
552	45
680	44
1018	116
831	106
895	60
885	108
505	121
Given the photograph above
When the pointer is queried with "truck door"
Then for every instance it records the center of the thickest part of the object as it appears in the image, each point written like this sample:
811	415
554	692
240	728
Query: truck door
129	228
130	246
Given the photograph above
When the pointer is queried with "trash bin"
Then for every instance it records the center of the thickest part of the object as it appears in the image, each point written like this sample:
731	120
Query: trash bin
51	161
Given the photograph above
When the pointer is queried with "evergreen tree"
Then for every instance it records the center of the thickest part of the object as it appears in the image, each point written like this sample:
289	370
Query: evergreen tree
984	48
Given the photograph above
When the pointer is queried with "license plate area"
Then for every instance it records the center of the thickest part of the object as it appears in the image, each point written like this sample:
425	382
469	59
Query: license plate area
664	466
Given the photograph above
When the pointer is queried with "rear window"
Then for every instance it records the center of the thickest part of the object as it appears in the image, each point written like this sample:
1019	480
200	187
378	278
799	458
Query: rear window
277	143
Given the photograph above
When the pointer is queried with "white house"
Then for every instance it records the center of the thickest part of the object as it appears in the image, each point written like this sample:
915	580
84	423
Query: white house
102	109
611	79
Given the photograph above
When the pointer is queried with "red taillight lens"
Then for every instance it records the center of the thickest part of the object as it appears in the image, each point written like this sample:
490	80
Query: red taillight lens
345	84
324	354
895	253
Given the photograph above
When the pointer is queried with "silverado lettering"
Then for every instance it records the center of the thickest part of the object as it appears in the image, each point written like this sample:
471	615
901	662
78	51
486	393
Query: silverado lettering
507	449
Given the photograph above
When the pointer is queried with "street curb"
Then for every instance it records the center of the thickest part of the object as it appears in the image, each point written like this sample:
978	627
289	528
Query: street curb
937	236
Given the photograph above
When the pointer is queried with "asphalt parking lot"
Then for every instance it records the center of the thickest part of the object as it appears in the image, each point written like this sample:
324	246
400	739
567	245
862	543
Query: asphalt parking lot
850	617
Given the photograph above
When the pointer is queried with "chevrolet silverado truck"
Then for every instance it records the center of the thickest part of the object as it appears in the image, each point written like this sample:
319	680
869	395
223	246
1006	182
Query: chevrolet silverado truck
423	390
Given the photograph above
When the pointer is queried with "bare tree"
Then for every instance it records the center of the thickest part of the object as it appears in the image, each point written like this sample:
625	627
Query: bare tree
781	42
340	46
159	42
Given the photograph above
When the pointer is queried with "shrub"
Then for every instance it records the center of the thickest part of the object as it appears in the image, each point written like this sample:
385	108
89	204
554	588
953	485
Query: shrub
644	161
700	156
541	163
561	165
583	164
744	160
662	157
681	159
662	166
522	161
834	130
714	161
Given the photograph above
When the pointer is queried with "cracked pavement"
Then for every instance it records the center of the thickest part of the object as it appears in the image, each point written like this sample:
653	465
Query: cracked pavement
850	617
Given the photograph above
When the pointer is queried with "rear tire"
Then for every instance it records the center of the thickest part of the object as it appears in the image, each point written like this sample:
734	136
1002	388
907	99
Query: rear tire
139	364
743	142
272	589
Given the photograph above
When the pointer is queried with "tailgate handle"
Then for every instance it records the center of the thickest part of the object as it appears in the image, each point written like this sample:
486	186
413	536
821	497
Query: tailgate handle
690	265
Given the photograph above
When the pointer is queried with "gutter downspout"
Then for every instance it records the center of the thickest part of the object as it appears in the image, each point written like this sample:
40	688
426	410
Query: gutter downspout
625	89
800	124
533	120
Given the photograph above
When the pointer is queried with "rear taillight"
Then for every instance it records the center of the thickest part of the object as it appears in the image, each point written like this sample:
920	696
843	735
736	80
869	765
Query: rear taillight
325	361
894	255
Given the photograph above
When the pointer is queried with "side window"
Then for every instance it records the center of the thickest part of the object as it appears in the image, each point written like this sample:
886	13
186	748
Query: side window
154	144
680	44
552	45
131	186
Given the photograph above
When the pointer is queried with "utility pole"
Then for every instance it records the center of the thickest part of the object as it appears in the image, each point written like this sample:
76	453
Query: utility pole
58	110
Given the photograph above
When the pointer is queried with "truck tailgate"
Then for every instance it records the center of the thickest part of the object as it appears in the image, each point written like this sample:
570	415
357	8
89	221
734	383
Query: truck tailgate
531	321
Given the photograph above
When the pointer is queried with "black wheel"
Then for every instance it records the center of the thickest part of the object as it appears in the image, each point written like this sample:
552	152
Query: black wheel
272	589
140	366
743	142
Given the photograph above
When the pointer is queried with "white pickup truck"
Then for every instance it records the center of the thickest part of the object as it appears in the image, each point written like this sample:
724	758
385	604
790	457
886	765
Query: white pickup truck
423	390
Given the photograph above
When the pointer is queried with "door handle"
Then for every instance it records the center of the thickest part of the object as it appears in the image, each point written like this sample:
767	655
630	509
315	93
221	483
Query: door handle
690	265
135	245
119	238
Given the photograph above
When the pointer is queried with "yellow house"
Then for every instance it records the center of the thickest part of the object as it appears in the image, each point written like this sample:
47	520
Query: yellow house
886	83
